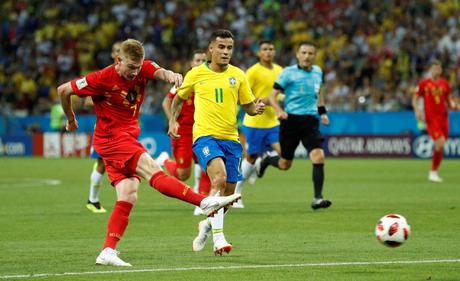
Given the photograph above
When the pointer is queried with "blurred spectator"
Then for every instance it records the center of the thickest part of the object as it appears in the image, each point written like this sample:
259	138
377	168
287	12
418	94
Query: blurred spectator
372	52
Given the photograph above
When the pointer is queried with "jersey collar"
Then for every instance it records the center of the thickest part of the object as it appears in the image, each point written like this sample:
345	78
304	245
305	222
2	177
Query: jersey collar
299	67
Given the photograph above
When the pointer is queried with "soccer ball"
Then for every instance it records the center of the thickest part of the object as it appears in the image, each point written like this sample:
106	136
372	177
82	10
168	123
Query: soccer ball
392	230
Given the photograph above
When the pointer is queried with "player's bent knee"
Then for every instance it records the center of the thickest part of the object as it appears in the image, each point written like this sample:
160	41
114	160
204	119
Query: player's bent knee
183	175
317	156
146	166
251	158
127	190
284	164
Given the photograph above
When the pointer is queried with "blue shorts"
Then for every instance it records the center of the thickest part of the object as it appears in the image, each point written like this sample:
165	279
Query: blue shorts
94	154
207	148
259	140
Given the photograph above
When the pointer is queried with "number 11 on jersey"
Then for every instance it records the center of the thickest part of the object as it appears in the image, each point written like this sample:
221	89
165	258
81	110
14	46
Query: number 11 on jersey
219	95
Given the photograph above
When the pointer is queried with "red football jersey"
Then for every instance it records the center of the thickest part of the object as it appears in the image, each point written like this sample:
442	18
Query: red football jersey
185	118
435	95
116	100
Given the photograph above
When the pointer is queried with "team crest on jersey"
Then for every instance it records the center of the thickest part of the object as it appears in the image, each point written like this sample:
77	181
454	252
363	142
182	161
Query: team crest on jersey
232	81
81	83
206	151
131	96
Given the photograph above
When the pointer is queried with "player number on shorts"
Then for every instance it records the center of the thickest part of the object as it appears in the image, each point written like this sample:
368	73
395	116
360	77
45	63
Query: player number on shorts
219	95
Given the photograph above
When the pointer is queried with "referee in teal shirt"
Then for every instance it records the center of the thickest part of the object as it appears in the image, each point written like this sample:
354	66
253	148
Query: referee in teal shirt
303	107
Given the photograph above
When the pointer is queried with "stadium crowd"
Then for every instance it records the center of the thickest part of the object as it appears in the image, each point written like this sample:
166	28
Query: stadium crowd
373	54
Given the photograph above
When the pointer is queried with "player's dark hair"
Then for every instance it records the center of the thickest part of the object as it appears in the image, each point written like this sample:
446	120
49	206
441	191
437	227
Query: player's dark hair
222	33
261	42
197	51
306	43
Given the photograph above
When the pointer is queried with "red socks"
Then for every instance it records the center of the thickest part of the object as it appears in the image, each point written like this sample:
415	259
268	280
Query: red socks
172	187
436	160
117	223
205	184
171	167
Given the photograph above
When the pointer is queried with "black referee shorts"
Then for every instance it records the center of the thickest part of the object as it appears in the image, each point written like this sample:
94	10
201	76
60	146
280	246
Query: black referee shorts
299	128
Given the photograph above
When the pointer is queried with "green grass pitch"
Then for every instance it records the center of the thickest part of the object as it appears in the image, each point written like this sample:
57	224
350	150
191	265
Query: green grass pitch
47	233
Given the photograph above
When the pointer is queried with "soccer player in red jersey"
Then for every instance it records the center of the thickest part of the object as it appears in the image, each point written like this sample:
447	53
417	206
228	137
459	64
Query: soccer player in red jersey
118	92
98	172
182	147
436	94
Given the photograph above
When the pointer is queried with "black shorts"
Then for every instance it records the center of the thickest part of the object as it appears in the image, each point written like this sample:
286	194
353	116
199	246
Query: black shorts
299	128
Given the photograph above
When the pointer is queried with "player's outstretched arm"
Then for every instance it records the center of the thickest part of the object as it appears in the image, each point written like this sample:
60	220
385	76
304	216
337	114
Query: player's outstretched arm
274	102
418	113
255	107
166	104
65	92
322	107
169	77
452	103
176	108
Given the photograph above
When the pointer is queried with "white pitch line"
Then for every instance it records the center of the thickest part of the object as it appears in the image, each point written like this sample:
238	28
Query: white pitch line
323	264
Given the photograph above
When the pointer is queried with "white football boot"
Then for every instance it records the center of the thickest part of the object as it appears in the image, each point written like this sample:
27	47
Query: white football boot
211	204
204	230
197	211
434	177
221	246
238	204
109	256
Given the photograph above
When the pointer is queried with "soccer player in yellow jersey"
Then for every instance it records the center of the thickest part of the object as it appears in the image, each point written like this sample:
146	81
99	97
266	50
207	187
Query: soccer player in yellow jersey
261	131
219	87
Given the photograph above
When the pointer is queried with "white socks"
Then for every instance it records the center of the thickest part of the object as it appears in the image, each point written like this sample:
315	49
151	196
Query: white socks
217	225
246	168
95	186
197	177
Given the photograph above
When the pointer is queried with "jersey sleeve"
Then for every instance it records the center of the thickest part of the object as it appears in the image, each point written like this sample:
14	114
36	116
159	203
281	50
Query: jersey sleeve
89	85
172	92
186	89
245	93
283	79
149	68
419	90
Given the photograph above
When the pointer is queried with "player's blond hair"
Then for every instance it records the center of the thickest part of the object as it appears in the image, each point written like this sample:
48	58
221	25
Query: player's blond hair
132	49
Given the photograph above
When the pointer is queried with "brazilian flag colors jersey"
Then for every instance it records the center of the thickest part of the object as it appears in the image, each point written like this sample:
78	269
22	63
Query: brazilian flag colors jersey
261	80
217	95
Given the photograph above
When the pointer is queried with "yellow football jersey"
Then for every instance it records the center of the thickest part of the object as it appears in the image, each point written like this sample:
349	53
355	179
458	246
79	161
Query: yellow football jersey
261	79
217	95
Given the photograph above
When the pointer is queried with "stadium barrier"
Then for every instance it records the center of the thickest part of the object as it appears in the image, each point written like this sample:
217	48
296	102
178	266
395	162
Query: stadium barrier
78	145
350	134
57	145
20	125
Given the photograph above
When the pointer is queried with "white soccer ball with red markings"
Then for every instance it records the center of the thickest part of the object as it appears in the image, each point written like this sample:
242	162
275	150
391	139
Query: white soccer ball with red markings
392	230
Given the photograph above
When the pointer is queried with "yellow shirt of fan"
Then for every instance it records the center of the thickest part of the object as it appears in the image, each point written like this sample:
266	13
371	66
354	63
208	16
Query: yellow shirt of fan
261	80
217	95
